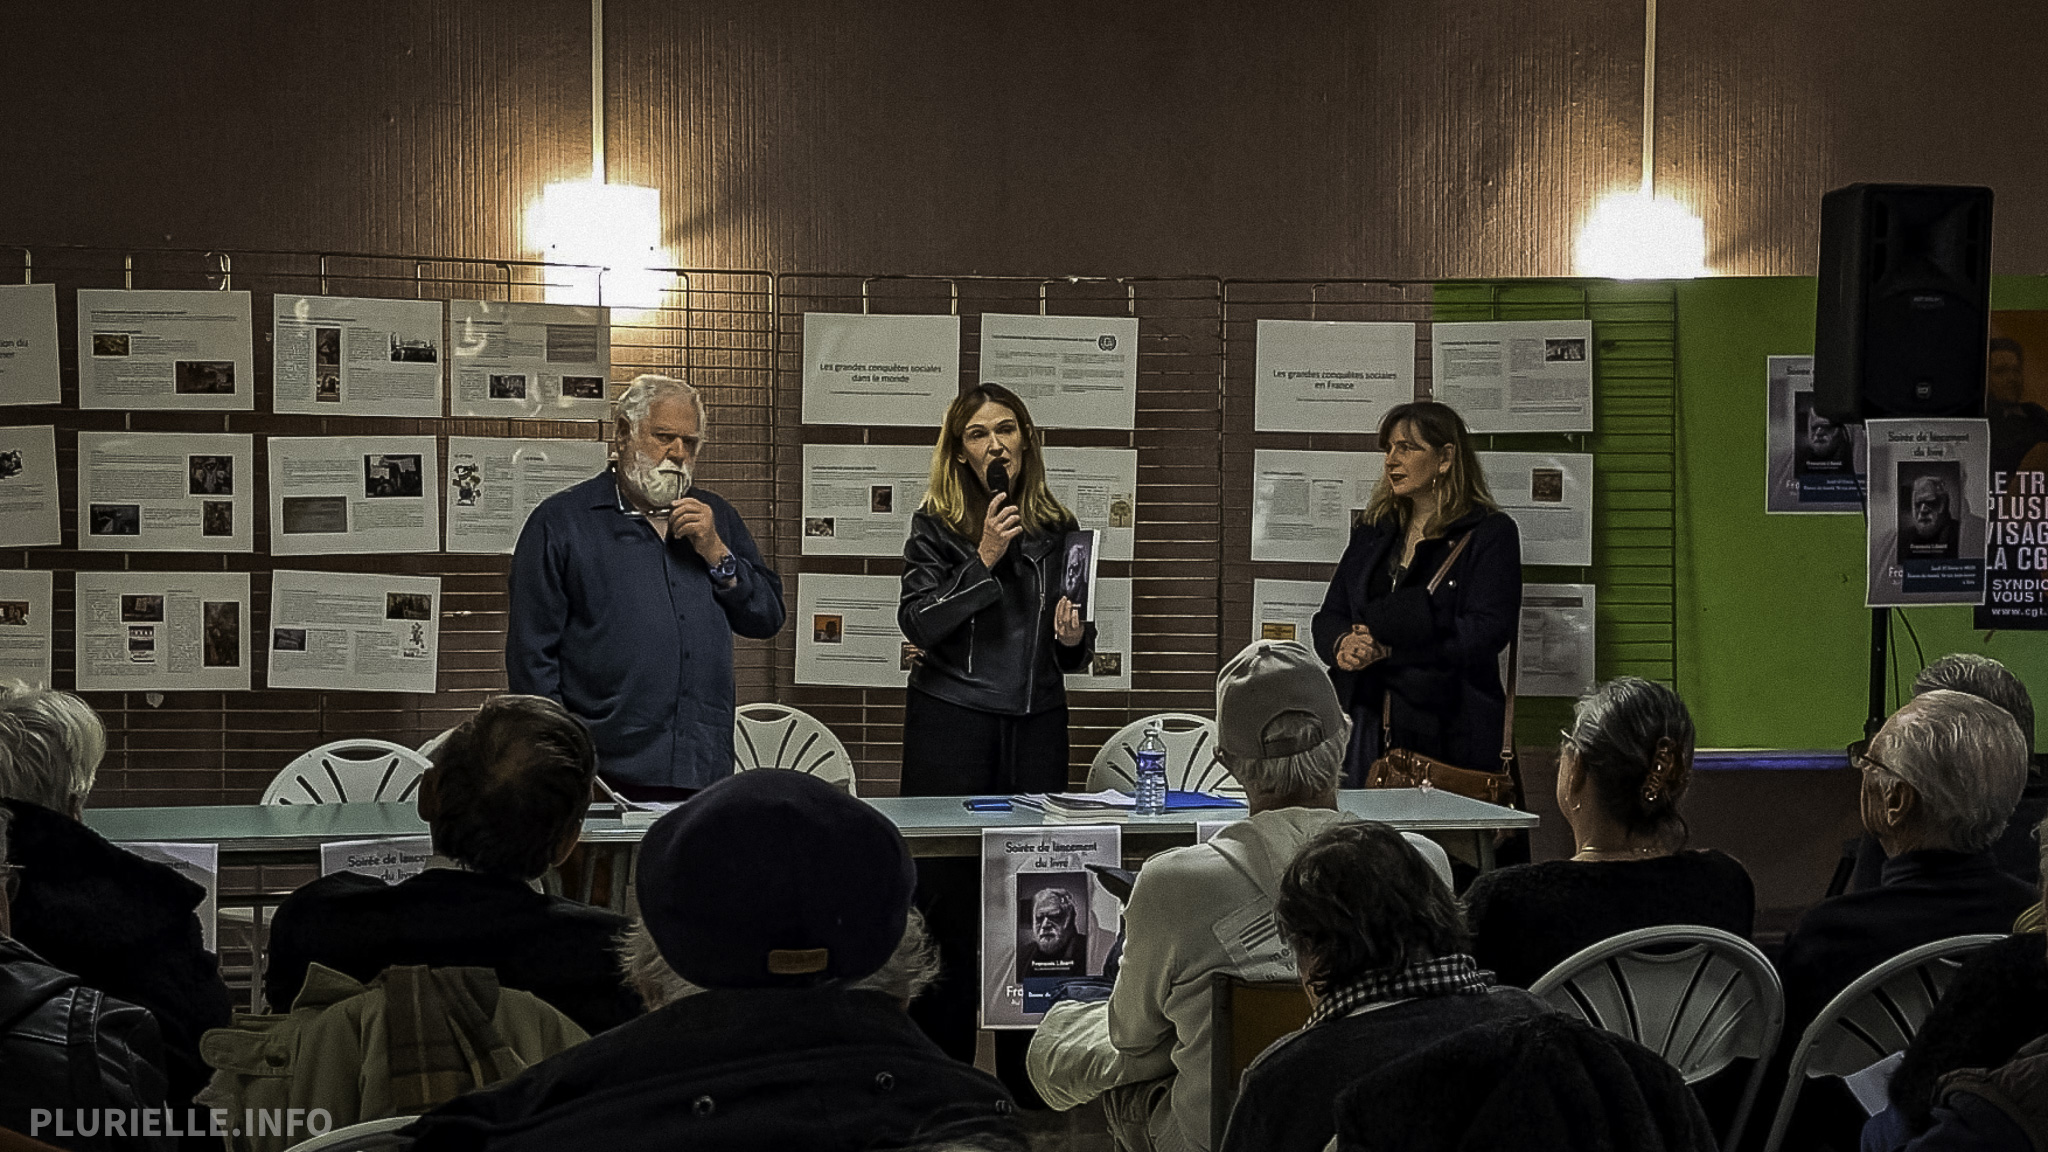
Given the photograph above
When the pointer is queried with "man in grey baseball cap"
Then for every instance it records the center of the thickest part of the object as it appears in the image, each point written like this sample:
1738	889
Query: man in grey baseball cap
1206	909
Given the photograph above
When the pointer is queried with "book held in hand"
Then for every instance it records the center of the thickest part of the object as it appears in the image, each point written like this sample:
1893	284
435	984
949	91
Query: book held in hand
1077	569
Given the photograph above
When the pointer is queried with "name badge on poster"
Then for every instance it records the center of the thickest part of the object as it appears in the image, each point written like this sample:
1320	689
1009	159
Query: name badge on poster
1045	919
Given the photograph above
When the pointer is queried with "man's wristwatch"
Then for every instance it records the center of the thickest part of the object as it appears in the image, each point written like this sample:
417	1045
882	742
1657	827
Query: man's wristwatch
726	570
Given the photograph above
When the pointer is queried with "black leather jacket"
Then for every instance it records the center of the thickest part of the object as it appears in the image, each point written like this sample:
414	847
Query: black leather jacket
65	1046
987	636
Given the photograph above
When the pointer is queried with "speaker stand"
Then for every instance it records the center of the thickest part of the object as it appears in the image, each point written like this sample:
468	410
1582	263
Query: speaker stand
1880	637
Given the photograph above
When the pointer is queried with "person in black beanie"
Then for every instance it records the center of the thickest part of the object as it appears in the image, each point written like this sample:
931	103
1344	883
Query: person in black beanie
781	908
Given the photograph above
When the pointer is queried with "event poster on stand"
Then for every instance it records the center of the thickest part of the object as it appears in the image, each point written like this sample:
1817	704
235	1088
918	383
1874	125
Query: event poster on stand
343	356
164	349
897	370
529	361
1516	375
1072	371
336	494
25	606
1816	464
1929	481
28	344
1045	919
495	484
2016	406
1330	375
163	631
29	516
354	631
846	632
858	498
166	491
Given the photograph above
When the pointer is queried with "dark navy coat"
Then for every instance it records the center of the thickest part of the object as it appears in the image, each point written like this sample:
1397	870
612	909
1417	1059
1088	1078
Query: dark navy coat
1444	672
630	634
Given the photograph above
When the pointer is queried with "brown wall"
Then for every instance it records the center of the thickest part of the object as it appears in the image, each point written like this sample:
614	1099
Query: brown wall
1361	139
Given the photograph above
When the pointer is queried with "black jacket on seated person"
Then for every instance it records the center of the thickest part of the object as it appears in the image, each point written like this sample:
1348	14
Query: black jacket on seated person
1997	1005
1528	918
123	925
819	1069
559	950
48	1020
1528	1084
1927	895
1288	1099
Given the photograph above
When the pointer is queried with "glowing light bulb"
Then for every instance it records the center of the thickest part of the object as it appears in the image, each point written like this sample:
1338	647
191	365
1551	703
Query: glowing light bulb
609	235
1632	236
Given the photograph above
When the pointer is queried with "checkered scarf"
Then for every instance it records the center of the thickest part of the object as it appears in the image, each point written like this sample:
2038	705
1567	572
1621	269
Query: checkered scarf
1454	975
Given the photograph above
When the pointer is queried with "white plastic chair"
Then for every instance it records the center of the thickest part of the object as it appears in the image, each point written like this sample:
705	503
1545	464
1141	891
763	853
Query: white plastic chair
435	741
1871	1019
349	771
367	1136
1699	997
778	736
1191	764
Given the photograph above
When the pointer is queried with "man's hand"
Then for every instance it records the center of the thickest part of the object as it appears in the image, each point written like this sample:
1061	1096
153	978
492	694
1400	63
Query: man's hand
1356	649
692	520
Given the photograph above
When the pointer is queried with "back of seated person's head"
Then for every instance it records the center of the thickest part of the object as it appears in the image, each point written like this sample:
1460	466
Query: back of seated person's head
1631	743
51	744
1358	900
1963	759
510	786
1279	727
775	879
1981	676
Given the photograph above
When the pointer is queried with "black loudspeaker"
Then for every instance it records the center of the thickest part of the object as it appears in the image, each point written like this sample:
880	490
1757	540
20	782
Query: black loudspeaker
1905	298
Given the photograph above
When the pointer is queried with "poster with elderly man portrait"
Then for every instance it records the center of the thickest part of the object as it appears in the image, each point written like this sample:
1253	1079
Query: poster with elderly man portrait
1045	919
1929	488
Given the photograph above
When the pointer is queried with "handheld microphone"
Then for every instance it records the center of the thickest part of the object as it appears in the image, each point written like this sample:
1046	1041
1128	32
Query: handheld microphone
998	478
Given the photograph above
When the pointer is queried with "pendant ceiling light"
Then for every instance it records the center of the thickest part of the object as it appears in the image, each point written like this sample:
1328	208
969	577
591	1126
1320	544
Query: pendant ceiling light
604	238
1640	235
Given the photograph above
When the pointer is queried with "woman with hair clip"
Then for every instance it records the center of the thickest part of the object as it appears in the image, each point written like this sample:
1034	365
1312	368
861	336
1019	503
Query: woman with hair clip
1428	594
1621	771
987	707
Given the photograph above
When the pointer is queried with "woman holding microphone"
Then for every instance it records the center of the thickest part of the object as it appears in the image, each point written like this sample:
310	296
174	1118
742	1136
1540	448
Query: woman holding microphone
1426	662
987	709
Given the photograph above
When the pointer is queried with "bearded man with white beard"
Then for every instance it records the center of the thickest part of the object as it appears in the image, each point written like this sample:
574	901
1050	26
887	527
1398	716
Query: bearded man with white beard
626	592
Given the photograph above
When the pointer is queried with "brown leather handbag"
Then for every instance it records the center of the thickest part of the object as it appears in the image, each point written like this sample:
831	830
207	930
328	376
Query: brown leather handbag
1402	768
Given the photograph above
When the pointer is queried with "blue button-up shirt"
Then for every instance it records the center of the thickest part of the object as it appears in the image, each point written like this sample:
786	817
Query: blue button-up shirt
630	632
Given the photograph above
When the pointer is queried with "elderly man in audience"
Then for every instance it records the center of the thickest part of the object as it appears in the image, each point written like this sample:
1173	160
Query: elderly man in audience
783	953
1196	912
1383	952
121	924
1939	780
117	1064
2015	849
505	799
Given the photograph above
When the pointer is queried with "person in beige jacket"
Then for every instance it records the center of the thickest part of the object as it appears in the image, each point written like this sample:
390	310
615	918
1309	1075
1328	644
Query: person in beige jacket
1198	911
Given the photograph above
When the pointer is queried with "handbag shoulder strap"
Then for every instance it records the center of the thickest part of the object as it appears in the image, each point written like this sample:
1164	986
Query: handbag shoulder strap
1514	677
1444	569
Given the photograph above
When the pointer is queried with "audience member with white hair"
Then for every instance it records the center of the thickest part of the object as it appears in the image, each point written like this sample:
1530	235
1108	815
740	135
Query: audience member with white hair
1205	910
121	924
626	592
2015	849
1939	781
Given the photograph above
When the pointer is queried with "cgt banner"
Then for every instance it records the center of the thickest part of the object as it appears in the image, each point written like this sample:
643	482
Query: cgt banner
2015	392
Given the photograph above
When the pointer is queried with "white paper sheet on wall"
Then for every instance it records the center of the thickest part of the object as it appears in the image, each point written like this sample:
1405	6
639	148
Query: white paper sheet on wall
345	356
166	491
1071	371
354	631
1331	375
894	370
164	349
28	344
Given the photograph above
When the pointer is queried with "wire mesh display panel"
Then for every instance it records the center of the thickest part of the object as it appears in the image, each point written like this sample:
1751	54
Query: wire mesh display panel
713	328
1178	539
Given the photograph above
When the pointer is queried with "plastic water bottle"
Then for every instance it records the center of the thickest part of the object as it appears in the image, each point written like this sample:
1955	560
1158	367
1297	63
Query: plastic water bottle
1151	790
